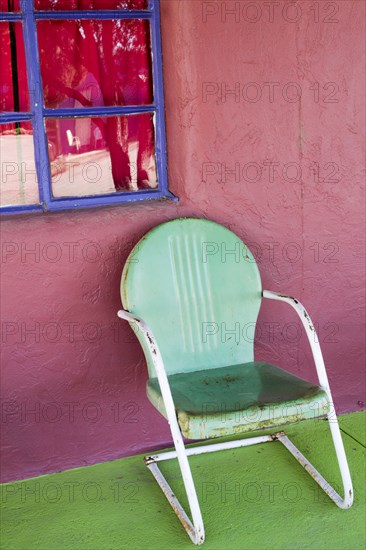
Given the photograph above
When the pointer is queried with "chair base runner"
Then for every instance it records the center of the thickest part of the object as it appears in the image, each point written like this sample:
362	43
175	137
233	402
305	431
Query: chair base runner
173	501
328	489
192	532
211	448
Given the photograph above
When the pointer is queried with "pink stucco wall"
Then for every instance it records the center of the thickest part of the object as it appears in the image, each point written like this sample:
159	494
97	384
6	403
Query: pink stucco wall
244	163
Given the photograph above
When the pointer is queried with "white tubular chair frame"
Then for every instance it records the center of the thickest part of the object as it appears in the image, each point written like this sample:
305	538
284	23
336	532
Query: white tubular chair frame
313	339
195	528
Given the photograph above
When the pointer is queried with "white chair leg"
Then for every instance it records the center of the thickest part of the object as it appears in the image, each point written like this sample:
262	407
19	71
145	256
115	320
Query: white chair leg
345	502
195	530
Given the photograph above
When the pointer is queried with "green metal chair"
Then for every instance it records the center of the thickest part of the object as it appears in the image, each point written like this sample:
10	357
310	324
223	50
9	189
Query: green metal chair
192	287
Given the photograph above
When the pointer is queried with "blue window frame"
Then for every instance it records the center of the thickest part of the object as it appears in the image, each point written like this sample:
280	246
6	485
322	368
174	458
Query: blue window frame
28	17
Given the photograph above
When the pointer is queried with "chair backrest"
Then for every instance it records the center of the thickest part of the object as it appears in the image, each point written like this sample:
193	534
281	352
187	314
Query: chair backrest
198	287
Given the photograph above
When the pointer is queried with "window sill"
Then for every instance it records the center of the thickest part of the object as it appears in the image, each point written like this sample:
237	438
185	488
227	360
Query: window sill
88	203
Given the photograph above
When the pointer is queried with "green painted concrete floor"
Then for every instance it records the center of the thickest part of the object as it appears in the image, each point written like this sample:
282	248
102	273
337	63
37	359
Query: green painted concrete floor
257	497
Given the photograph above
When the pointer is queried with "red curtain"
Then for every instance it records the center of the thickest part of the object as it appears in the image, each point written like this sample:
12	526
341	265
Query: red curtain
88	63
9	5
90	4
14	95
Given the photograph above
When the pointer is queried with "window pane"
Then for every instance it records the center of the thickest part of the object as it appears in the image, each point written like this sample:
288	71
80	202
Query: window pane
18	171
14	94
98	156
9	5
95	63
91	4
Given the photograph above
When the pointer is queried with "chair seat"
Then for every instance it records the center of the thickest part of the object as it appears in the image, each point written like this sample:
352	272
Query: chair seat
229	400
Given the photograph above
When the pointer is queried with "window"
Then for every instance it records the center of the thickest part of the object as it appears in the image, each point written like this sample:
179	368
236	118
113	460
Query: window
81	104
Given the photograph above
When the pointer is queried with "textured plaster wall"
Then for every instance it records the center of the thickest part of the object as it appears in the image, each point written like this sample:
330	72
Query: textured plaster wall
83	378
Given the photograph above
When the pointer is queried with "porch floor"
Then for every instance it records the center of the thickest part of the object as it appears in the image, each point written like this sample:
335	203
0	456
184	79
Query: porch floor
257	497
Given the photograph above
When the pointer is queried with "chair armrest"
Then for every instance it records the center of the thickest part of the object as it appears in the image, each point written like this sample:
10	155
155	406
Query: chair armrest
310	332
158	363
149	339
127	316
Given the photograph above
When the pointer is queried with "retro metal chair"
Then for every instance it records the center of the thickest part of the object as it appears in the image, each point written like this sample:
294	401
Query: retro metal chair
190	286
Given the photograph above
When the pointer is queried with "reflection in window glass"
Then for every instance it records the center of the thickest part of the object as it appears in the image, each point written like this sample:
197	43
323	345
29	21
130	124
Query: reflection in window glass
18	171
98	156
9	5
91	4
14	96
95	63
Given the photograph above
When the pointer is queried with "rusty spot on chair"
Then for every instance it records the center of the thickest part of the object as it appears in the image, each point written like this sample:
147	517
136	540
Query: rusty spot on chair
151	340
